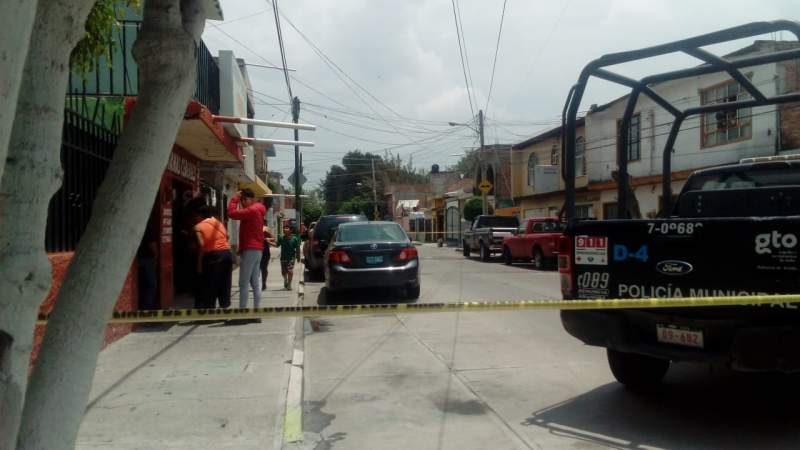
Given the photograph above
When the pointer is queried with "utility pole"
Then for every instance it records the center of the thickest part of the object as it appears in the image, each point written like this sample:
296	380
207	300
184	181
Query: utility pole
485	200
374	192
298	165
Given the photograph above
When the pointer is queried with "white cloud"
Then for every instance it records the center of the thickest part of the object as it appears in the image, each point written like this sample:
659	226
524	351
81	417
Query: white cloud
406	54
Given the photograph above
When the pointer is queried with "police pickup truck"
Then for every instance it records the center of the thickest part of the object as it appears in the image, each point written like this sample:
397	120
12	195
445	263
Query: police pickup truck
733	231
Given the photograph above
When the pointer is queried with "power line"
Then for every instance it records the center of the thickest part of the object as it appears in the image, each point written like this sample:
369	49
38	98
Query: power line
496	50
283	50
461	55
466	53
323	55
252	15
547	39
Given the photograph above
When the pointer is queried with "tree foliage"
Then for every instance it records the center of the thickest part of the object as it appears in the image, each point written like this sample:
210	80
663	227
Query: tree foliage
312	207
348	188
468	164
99	39
472	209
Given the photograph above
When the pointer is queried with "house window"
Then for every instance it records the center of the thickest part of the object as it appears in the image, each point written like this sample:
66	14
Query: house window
583	212
725	126
635	134
532	162
580	156
610	210
555	154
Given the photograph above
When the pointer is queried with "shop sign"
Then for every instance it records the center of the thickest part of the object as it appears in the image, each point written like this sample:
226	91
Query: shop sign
183	166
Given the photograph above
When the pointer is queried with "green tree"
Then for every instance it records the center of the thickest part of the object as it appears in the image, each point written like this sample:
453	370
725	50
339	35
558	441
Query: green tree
312	207
472	209
353	178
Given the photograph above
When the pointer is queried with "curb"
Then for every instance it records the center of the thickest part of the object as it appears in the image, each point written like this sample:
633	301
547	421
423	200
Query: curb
293	415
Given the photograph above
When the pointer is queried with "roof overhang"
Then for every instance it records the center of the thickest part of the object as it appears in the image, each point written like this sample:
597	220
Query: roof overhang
205	139
214	10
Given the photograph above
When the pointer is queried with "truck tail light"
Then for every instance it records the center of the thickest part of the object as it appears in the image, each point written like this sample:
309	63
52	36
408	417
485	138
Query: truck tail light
407	254
339	257
565	265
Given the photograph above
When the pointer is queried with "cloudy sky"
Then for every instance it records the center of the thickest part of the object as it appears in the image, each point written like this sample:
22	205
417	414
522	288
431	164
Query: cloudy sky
381	75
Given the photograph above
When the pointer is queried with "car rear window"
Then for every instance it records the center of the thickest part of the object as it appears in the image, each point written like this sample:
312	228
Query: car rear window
368	232
499	222
323	228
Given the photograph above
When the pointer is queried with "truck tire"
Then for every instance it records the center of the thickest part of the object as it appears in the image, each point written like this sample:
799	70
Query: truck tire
538	259
637	372
466	249
507	258
484	252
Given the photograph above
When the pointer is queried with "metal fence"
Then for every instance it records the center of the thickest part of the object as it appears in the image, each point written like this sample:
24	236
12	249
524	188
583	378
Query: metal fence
86	151
117	74
207	89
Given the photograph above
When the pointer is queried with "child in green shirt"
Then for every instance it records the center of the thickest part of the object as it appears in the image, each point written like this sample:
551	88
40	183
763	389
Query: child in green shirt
290	252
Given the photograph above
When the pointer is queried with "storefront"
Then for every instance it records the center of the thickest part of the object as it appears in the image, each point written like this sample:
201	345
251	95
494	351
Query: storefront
171	225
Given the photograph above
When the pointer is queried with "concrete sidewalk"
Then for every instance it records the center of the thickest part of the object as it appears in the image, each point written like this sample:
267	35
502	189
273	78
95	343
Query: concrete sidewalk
195	386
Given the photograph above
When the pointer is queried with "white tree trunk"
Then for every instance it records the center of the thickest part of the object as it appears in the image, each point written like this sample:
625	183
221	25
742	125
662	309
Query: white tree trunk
16	22
32	175
62	379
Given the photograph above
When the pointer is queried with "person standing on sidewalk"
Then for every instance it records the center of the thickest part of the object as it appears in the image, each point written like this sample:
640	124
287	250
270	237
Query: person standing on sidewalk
214	262
290	246
269	240
251	243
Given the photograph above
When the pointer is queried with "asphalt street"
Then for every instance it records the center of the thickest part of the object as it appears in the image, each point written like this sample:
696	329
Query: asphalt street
511	380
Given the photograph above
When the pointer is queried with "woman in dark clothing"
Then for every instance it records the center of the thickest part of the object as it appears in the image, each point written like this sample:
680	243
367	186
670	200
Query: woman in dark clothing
264	264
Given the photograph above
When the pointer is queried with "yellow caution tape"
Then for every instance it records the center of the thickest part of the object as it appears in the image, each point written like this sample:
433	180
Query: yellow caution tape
178	315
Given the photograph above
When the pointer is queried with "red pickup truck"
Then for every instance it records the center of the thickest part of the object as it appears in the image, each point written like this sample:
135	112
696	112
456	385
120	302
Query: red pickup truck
535	240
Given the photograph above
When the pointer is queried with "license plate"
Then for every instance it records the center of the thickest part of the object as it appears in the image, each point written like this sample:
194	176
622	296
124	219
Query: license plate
374	259
679	336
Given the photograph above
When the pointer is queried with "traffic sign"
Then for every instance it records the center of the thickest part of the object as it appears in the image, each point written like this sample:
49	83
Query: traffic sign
485	186
303	179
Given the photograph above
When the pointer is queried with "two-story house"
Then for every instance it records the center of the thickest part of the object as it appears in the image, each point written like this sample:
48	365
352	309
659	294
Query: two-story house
704	141
538	187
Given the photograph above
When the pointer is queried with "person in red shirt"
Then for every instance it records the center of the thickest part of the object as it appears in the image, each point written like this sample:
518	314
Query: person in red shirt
244	207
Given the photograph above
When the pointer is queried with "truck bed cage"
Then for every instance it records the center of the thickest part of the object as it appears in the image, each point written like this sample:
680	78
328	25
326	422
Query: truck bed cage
691	47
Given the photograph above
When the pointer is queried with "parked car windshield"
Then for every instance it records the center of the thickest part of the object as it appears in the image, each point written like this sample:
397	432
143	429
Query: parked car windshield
368	232
499	222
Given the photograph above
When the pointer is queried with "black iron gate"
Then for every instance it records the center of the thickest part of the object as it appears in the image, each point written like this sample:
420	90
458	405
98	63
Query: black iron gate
86	151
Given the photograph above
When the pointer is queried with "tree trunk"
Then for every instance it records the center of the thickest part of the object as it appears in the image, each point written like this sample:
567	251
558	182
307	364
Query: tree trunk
16	23
62	378
32	175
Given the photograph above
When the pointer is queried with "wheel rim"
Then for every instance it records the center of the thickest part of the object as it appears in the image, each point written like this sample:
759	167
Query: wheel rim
537	259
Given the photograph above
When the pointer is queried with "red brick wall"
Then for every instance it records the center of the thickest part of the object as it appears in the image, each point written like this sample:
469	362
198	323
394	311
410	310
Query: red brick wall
127	301
790	126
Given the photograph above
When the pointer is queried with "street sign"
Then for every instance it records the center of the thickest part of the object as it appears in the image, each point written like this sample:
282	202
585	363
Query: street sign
303	179
485	186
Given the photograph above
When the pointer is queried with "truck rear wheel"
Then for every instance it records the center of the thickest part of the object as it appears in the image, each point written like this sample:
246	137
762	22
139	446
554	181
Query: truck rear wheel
484	252
637	372
538	259
507	258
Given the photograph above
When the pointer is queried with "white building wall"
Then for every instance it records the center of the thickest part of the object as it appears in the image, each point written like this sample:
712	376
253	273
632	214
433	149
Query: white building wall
656	122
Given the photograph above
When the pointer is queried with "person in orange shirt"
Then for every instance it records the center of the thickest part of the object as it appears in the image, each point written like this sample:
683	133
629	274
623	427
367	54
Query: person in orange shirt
214	262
